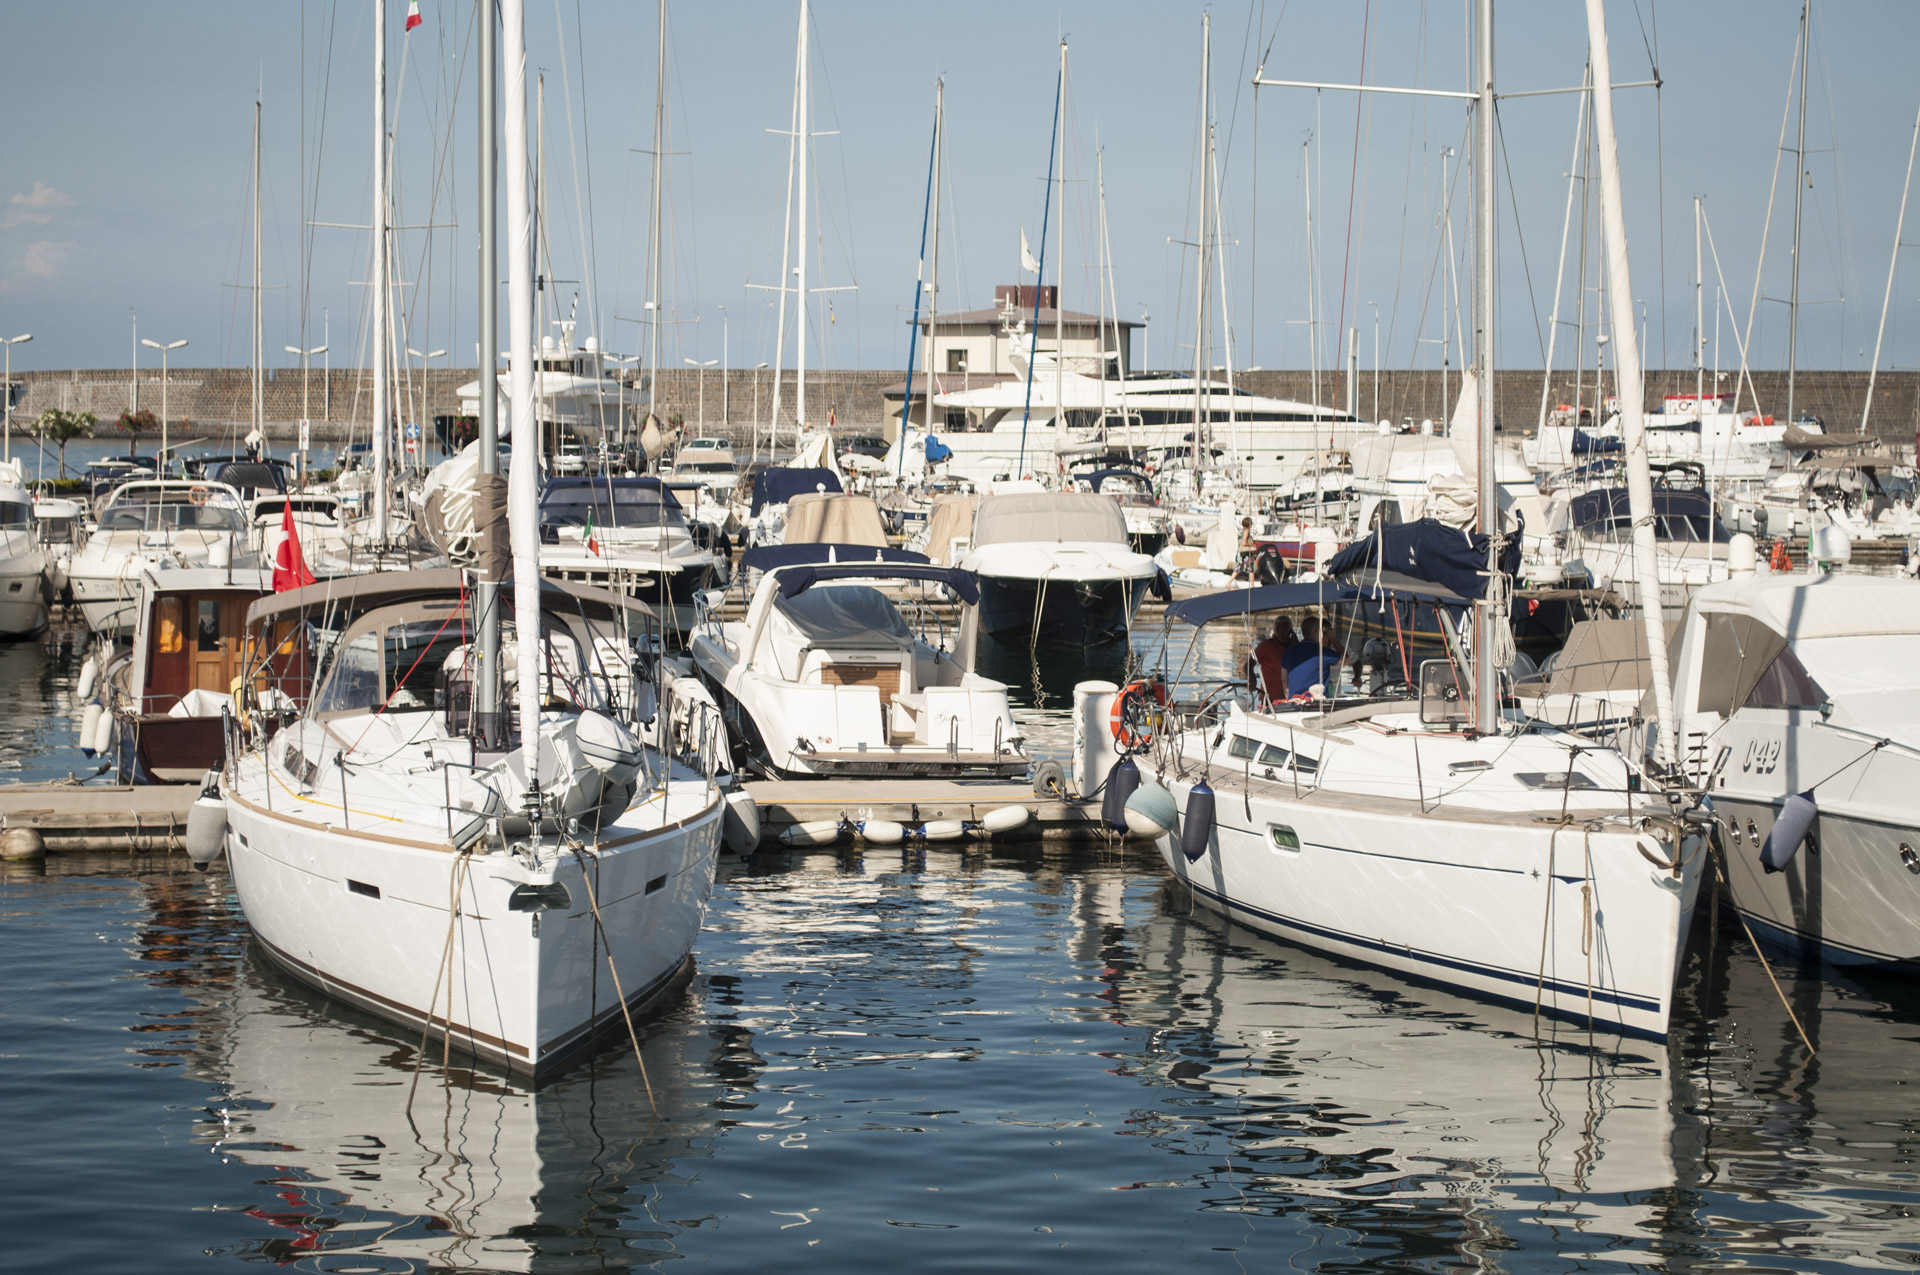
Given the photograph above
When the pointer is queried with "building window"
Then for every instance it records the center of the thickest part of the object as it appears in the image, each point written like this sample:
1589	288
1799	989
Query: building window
956	359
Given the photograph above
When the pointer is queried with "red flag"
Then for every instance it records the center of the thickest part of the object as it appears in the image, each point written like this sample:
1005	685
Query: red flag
413	14
289	564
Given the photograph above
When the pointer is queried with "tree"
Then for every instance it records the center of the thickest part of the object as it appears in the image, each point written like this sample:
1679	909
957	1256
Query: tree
136	424
61	427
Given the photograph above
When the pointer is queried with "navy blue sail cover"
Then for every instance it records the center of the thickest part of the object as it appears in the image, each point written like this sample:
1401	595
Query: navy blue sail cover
1428	550
779	485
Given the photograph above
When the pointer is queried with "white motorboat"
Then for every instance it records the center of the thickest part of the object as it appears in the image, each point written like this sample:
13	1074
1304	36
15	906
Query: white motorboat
1797	697
1850	489
826	675
148	524
579	395
457	827
1148	525
1057	567
628	535
24	584
1731	447
61	525
1589	542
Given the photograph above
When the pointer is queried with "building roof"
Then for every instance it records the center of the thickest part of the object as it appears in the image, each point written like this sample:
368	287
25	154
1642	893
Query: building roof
994	314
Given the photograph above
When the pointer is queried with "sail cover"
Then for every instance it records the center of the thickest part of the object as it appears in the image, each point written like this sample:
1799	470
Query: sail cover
1428	550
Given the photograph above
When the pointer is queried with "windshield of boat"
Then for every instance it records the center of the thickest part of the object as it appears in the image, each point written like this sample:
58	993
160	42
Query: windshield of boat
610	508
15	514
174	509
416	662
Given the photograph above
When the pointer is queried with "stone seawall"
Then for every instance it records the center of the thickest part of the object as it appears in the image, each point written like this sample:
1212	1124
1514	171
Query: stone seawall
217	400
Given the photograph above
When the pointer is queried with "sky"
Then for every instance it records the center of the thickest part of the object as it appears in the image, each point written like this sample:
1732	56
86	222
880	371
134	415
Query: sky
126	174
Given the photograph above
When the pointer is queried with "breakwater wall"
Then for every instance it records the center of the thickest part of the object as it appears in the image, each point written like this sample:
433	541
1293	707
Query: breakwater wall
218	400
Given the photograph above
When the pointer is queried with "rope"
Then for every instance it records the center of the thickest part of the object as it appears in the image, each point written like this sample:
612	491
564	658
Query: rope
579	852
456	882
1721	877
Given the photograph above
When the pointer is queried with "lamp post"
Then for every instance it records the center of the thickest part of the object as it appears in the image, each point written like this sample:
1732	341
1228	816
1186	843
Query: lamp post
758	368
420	447
10	342
703	384
622	361
726	415
305	415
1376	360
164	351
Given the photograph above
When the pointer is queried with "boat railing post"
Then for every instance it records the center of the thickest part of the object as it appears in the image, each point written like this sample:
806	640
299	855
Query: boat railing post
346	819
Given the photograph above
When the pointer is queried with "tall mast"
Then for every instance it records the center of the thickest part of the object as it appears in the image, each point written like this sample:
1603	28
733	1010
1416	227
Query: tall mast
1102	276
1313	294
919	293
489	720
653	248
380	387
1060	439
1200	284
1486	691
1799	189
259	416
933	260
1899	224
1699	319
805	143
522	500
1630	386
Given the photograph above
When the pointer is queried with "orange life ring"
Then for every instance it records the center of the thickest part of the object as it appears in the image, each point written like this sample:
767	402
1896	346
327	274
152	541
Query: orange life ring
1778	559
198	495
1135	735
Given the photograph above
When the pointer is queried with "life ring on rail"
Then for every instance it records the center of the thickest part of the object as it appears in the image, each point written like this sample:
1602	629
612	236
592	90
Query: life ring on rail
199	495
1135	713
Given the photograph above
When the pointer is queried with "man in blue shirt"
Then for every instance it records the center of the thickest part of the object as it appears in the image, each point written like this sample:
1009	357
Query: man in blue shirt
1308	661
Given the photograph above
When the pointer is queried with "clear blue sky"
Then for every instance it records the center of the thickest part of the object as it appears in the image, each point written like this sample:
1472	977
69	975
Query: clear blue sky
127	168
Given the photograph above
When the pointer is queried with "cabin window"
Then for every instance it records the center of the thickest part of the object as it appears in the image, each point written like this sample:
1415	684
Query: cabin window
355	681
1242	748
171	640
1274	755
1786	684
206	627
1283	837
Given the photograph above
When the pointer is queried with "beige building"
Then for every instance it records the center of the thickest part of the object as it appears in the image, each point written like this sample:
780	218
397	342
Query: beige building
970	349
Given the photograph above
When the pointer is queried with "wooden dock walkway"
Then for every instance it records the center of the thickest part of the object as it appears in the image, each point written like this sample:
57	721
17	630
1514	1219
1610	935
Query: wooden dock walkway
92	817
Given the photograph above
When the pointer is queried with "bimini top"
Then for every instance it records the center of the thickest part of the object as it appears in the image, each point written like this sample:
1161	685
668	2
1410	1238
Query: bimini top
1049	517
801	567
1209	607
1681	513
356	593
773	557
778	485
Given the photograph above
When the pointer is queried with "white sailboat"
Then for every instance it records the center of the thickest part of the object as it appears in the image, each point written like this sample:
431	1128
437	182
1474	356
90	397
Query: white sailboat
395	845
1430	834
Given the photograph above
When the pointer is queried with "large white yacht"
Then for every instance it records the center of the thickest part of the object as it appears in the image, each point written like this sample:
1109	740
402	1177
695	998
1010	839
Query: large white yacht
154	524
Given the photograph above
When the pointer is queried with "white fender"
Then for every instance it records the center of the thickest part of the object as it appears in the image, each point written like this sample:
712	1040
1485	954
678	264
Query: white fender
1005	819
741	823
206	830
817	832
943	830
90	727
89	674
103	733
883	832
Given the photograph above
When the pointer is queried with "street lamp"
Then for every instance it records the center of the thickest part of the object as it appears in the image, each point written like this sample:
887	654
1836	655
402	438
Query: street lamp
726	415
304	356
703	384
1376	359
622	361
10	342
758	368
164	351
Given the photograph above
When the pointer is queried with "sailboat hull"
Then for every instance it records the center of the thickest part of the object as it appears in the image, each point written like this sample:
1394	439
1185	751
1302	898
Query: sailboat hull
1586	926
368	919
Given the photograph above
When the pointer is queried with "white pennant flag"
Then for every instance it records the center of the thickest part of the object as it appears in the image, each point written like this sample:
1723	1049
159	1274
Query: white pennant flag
1027	263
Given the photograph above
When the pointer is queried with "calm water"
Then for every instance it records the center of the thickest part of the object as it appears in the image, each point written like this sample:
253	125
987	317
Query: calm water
925	1062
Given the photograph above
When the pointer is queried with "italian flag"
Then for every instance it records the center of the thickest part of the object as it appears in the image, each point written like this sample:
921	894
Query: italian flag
413	14
586	534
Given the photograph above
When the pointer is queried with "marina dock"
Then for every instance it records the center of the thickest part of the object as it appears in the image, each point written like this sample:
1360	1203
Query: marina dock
55	817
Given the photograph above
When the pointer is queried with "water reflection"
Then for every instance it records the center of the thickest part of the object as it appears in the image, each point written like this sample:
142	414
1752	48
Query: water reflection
370	1150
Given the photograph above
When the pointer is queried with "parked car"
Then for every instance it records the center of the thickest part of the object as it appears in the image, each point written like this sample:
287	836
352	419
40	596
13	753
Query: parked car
864	445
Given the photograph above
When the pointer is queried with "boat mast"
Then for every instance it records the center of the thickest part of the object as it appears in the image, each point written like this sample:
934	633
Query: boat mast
919	283
653	248
1560	273
380	386
1060	439
522	500
1899	225
1630	386
933	261
1200	284
259	416
489	722
1699	319
805	143
1799	189
1486	690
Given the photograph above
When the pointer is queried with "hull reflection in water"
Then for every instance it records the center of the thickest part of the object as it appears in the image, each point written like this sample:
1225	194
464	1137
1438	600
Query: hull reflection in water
461	1170
1448	1120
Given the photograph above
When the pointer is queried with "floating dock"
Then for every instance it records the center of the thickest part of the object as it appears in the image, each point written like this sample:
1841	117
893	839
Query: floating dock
53	818
912	802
